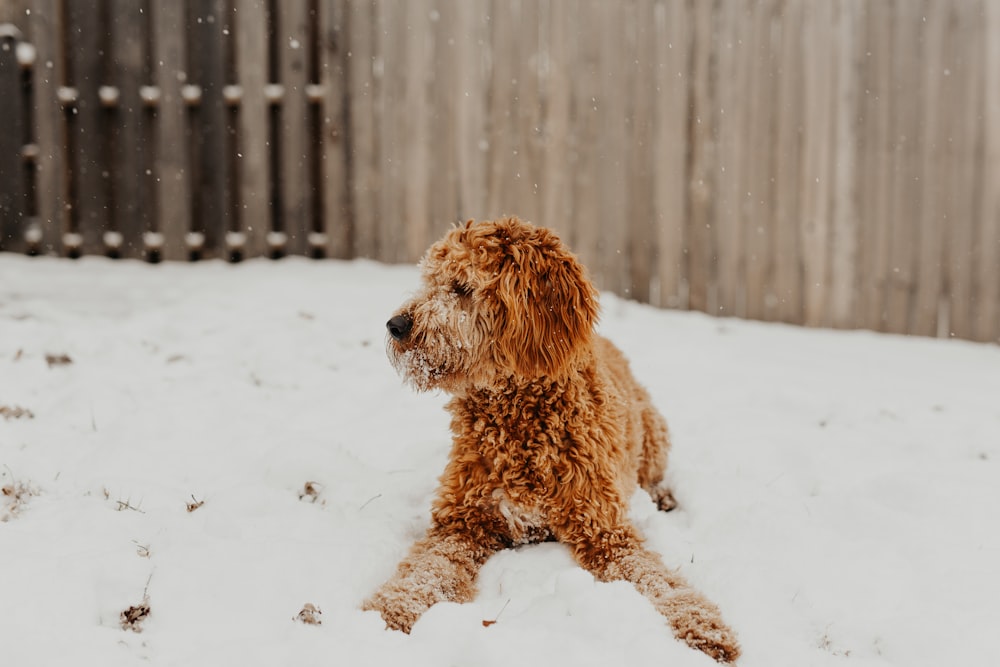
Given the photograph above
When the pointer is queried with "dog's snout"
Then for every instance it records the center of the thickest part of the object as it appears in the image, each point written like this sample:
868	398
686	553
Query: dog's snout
399	326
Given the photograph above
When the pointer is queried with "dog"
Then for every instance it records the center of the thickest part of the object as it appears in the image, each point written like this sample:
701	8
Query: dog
551	431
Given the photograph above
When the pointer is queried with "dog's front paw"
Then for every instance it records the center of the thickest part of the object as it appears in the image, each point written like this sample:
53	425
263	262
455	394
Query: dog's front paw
722	648
699	624
663	498
398	611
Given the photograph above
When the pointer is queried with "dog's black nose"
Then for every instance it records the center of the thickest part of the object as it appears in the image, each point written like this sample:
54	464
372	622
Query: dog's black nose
399	326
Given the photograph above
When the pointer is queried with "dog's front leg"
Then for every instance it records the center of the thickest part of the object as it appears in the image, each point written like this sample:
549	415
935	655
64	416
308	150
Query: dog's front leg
441	567
617	553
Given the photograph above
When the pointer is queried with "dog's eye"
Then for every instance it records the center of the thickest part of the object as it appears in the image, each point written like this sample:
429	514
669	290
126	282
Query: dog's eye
460	289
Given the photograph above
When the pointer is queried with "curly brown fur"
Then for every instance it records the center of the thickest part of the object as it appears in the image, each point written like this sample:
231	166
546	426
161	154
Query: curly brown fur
551	431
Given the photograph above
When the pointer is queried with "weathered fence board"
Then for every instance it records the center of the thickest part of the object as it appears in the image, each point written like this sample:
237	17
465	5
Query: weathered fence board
671	144
174	189
335	215
208	140
987	255
876	165
905	144
292	46
825	163
126	214
89	182
253	161
965	73
13	199
364	71
48	74
844	238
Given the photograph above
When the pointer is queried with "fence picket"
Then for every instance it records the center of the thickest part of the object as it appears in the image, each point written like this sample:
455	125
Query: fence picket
875	166
585	132
336	213
637	209
174	190
292	46
670	149
13	213
966	76
86	129
803	84
987	255
49	72
208	140
364	74
844	282
253	160
757	216
127	213
900	274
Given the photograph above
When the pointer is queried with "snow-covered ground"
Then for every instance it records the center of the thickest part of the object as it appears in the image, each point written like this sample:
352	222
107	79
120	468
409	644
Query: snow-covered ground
230	443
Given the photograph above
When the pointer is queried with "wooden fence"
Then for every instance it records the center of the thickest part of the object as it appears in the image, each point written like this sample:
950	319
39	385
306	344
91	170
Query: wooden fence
830	163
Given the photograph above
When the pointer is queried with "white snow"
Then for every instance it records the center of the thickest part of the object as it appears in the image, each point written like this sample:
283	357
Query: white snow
839	491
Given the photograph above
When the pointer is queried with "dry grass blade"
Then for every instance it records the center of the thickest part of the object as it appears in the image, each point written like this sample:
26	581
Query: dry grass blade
13	497
132	618
310	614
194	504
58	360
15	412
310	492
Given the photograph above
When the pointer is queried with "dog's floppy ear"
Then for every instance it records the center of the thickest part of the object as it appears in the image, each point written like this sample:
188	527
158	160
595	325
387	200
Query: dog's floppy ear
548	308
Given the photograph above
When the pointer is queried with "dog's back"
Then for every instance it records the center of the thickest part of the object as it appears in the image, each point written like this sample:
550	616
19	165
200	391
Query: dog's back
647	438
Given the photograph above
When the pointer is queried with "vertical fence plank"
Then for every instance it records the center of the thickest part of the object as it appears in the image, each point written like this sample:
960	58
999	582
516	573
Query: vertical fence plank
874	165
85	31
419	170
933	208
701	178
292	47
732	54
964	70
173	191
125	136
817	177
529	118
337	215
845	216
611	146
48	75
501	135
473	51
441	146
253	164
802	84
555	206
757	213
13	209
391	128
532	118
209	142
672	84
586	128
987	258
904	180
637	208
364	71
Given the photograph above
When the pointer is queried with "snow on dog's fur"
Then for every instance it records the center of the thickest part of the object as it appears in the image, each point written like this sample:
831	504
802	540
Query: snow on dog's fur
551	432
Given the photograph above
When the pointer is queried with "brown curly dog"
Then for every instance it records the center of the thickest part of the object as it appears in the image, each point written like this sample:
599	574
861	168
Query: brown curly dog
551	430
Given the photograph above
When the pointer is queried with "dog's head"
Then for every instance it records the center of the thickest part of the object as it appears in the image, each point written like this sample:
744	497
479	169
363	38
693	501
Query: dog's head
501	300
